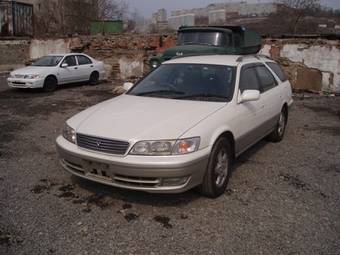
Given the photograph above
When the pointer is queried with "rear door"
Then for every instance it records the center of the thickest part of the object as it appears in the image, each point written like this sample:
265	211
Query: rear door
271	97
85	67
70	73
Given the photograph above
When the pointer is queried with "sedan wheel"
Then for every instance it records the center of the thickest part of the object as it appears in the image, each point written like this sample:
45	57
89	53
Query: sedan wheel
219	169
94	78
50	84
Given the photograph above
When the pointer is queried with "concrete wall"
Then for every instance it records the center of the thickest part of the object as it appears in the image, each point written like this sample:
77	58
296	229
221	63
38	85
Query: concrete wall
39	48
13	53
312	65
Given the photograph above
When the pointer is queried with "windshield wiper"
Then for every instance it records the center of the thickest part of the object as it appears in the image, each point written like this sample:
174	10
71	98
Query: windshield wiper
171	92
202	95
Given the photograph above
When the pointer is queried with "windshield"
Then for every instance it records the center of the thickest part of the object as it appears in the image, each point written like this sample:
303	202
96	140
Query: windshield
188	82
205	38
48	61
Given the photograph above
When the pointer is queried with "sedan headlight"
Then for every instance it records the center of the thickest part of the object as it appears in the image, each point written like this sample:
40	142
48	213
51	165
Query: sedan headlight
31	76
69	134
154	63
11	75
166	147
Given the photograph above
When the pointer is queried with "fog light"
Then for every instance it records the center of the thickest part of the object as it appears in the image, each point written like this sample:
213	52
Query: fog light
175	181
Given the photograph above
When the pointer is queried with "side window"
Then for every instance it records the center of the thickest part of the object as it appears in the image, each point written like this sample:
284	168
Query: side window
83	60
248	79
267	80
70	60
277	69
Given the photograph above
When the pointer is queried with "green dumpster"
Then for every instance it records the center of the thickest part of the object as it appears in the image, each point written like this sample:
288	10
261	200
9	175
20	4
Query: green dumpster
107	27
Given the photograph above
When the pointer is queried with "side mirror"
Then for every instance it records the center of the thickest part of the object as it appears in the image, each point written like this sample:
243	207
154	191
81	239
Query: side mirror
64	65
250	95
127	86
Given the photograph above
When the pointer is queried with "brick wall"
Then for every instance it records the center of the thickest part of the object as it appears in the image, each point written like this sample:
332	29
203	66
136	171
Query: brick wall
310	64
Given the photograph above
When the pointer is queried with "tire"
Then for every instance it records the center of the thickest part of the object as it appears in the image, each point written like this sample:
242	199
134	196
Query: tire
280	128
219	169
94	78
50	84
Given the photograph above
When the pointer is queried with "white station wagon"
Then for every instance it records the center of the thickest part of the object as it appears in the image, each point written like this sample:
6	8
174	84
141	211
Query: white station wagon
181	126
50	71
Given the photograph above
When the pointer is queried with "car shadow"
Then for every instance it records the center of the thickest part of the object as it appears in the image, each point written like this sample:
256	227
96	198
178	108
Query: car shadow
246	156
17	93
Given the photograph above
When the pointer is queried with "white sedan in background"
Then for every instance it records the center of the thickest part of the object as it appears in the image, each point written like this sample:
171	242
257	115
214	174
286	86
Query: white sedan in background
50	71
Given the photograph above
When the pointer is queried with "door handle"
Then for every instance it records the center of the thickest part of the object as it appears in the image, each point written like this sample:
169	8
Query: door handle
76	68
91	66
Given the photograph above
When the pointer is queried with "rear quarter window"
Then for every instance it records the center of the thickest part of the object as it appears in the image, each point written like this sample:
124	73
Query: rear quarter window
278	70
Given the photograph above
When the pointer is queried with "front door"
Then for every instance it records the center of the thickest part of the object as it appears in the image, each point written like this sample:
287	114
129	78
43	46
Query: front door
251	113
70	73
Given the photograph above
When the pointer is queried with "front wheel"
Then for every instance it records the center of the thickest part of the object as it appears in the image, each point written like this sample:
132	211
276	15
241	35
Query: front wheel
50	84
280	128
219	169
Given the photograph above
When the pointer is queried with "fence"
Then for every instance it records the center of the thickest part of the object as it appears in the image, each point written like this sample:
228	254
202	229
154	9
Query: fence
16	19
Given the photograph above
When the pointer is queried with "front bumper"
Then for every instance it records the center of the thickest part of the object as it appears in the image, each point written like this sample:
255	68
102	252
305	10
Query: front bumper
170	174
25	83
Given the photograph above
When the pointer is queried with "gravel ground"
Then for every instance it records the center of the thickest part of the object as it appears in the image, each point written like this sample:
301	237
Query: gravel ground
282	198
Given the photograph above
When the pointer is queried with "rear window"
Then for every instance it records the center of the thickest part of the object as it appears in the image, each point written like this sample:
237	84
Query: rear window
267	80
82	60
277	69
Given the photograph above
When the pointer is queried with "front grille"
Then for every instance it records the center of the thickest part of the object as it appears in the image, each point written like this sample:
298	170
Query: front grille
20	76
102	144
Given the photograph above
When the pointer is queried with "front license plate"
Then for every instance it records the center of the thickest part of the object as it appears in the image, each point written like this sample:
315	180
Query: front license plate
97	170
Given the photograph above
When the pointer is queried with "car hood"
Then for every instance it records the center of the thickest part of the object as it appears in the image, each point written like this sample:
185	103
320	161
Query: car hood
31	70
135	118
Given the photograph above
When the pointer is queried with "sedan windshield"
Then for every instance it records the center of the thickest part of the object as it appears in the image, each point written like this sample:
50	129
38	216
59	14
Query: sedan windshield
48	61
202	38
189	82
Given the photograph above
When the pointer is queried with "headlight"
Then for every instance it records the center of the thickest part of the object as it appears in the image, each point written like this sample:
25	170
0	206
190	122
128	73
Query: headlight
166	147
69	134
154	64
32	76
10	76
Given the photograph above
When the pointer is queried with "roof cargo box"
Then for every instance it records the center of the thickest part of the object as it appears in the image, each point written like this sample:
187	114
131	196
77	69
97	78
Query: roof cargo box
243	40
246	40
211	40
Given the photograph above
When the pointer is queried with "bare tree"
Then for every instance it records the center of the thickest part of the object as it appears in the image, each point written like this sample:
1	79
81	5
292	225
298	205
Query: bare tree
67	17
296	10
111	9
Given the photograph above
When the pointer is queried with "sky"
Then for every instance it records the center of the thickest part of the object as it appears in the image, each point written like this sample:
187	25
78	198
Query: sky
147	7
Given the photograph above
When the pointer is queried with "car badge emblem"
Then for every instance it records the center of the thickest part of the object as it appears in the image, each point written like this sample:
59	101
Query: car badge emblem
179	53
98	144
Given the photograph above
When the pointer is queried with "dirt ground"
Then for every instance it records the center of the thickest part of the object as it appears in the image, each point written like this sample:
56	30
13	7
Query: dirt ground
282	198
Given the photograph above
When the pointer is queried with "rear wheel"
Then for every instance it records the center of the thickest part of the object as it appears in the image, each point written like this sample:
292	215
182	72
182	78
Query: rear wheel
219	169
50	84
94	78
280	128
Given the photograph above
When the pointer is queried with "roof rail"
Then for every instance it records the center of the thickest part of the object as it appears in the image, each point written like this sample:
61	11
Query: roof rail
257	56
195	55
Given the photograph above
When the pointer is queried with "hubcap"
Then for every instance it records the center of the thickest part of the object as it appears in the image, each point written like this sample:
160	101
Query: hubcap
221	168
281	125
